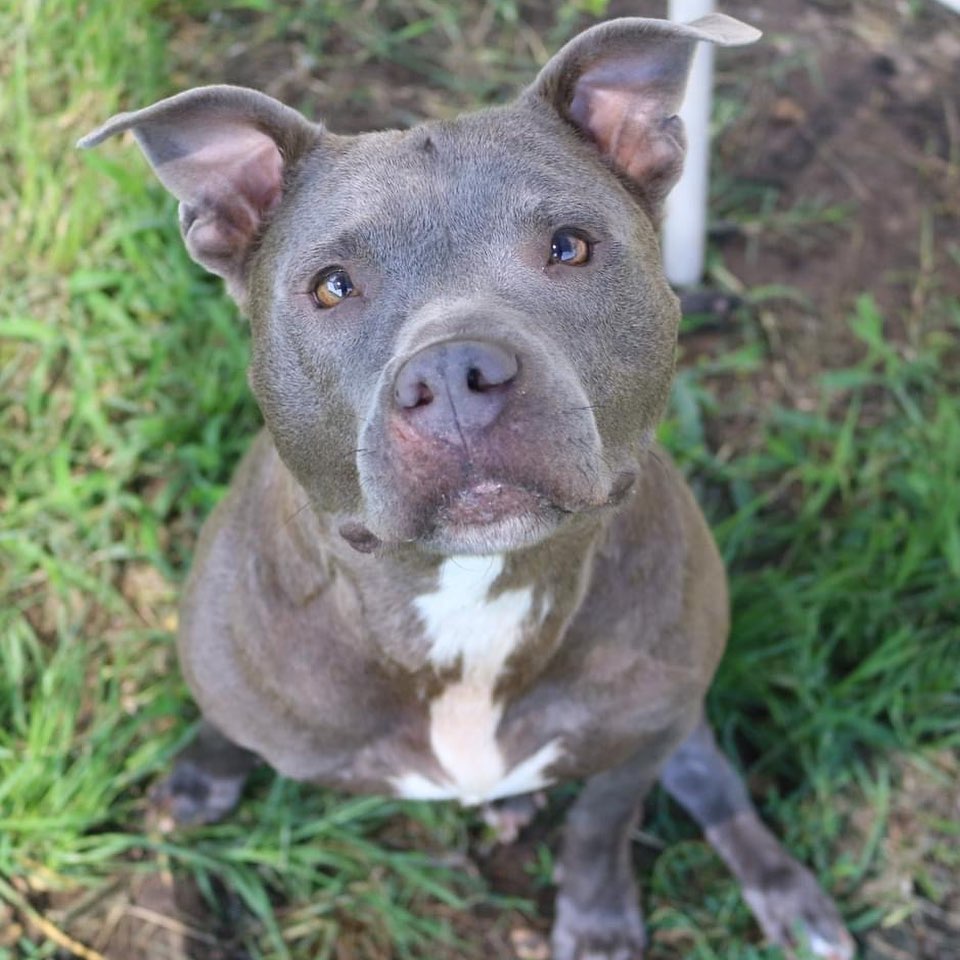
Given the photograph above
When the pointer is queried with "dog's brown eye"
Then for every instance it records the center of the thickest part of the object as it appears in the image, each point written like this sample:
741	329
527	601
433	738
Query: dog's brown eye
333	287
569	248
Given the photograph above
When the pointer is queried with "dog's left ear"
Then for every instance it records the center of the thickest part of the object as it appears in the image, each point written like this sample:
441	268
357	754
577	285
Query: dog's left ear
224	153
621	83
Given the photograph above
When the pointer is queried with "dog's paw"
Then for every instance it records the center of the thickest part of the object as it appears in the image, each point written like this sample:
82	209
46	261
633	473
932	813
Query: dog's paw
191	796
596	935
797	915
506	818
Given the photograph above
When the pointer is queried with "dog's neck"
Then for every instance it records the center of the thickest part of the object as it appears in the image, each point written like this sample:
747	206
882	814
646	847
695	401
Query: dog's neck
427	611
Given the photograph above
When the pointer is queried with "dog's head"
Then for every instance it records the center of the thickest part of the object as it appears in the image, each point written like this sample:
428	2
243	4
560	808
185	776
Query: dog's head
462	334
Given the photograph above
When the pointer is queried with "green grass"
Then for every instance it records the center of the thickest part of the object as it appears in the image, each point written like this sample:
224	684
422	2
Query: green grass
843	530
124	407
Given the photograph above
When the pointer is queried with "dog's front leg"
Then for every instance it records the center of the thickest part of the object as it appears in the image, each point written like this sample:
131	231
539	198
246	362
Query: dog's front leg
783	895
598	913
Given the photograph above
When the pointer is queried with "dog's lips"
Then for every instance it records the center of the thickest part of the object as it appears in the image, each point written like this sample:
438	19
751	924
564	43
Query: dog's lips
491	517
490	502
484	515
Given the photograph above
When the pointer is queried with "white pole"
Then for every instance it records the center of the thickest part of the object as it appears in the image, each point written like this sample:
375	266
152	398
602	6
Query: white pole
685	225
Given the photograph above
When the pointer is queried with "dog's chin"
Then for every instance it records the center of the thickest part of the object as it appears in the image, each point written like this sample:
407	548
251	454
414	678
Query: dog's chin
491	517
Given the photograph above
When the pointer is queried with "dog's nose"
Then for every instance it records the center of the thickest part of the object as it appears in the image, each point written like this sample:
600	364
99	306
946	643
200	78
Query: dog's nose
450	389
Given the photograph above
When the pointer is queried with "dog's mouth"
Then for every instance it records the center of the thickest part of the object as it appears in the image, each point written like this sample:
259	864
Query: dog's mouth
490	516
490	501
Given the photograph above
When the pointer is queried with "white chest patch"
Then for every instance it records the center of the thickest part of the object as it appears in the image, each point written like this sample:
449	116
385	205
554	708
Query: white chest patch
463	623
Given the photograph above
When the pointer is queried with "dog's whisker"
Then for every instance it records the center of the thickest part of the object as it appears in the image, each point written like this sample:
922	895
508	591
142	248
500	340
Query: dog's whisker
296	513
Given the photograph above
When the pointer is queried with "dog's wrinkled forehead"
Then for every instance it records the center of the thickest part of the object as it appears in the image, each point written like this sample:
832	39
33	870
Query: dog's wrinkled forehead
482	183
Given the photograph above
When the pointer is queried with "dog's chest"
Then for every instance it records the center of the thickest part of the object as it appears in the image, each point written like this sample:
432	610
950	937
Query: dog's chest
465	623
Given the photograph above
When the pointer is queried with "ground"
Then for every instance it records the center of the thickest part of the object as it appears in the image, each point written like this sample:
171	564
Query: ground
817	421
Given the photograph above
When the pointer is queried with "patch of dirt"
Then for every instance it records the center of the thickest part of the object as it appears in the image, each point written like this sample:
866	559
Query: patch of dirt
142	916
859	112
353	73
160	915
920	858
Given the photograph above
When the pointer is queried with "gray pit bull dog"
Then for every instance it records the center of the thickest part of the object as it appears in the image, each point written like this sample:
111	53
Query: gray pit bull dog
462	343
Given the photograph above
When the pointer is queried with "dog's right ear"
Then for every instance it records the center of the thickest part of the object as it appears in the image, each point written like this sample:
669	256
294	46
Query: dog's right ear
222	152
620	84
